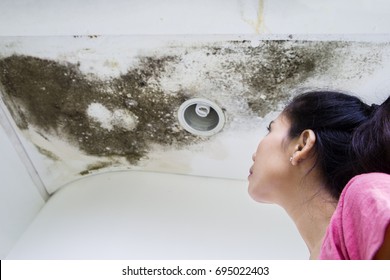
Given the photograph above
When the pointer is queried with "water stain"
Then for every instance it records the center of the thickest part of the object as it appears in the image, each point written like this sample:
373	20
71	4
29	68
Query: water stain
56	97
95	166
259	26
47	153
257	23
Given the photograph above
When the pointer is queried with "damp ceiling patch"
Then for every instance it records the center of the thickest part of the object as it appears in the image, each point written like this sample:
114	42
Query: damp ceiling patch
87	104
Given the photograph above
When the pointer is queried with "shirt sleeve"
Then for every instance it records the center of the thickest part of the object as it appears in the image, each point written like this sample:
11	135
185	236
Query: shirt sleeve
365	214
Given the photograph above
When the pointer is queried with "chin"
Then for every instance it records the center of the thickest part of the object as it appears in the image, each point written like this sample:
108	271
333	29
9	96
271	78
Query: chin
258	196
262	200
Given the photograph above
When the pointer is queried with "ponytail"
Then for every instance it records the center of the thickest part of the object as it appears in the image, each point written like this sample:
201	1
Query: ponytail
370	147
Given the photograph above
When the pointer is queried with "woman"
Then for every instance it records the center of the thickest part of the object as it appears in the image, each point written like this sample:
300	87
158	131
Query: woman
326	161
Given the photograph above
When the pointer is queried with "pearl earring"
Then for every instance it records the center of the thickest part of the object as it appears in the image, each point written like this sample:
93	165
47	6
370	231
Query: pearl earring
291	158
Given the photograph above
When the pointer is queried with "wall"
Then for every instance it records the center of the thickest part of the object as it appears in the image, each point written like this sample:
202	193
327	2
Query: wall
20	199
146	215
118	17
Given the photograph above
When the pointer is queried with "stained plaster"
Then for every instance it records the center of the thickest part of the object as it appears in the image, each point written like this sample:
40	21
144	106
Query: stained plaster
85	104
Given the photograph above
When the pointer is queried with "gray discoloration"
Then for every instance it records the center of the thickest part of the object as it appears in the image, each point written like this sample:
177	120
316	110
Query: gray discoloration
273	68
283	65
55	97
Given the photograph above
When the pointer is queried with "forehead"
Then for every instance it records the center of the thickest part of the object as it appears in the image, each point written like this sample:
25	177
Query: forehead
282	120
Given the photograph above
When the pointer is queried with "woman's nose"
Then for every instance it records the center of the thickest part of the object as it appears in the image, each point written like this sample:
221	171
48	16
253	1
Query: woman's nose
253	156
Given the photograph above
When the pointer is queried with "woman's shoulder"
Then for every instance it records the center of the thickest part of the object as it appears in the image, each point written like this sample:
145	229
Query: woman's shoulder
362	215
366	191
365	184
358	226
370	178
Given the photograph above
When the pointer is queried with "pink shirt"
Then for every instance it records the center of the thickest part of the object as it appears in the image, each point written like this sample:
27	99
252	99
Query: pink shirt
357	227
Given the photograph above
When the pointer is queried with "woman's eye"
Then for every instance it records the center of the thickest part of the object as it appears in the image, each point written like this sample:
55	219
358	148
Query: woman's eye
269	126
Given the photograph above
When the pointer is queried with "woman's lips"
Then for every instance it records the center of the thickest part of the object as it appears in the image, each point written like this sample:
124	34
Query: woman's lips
250	171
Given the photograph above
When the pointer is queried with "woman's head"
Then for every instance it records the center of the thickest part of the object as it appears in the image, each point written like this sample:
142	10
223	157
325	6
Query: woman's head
371	141
333	117
350	136
340	135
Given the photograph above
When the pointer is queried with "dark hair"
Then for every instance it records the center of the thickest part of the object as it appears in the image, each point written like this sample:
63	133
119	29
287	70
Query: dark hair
351	137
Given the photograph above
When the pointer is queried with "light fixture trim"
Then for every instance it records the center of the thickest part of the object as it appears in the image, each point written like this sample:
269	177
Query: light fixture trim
196	121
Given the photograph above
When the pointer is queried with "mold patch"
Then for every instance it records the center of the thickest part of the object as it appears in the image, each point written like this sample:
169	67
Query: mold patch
272	69
125	115
103	118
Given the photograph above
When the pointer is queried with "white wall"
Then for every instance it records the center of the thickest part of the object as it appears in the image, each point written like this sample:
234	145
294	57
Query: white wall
146	215
20	200
73	17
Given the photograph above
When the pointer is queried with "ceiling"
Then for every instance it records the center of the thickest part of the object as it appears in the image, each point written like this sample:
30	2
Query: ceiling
81	105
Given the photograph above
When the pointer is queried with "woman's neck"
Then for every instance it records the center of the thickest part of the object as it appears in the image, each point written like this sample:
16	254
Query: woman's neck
311	212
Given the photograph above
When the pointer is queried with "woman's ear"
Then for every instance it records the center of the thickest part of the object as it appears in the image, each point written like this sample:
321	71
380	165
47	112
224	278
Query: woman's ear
304	147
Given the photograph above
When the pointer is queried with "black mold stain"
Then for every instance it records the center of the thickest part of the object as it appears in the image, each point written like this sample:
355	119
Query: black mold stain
54	97
278	66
